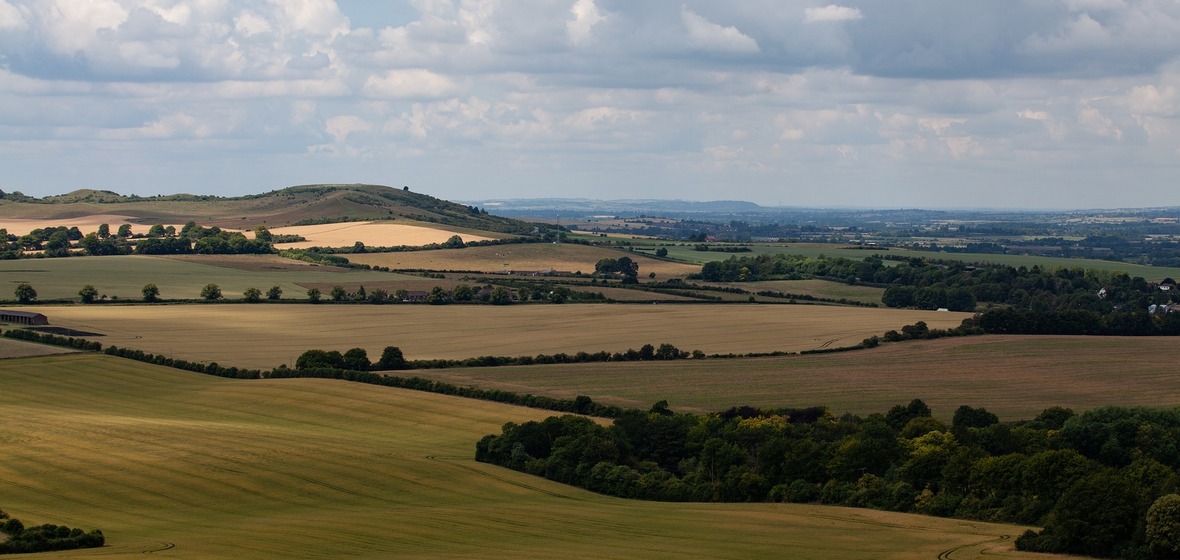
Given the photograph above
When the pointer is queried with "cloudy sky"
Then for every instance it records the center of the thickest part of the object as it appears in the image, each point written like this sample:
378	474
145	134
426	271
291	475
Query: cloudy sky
898	103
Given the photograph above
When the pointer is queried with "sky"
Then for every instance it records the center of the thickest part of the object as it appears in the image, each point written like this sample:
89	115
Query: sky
885	104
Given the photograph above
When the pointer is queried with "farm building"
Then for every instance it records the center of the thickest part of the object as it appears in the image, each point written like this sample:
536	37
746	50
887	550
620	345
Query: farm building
23	317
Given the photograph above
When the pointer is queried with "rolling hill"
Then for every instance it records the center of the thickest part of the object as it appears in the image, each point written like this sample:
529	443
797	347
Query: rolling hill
290	206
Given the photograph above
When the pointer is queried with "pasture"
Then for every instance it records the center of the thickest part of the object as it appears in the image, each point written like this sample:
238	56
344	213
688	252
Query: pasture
266	335
192	467
1015	377
564	257
179	277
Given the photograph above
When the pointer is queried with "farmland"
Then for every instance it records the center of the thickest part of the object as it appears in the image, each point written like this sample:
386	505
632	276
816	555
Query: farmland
1015	377
527	257
193	467
266	335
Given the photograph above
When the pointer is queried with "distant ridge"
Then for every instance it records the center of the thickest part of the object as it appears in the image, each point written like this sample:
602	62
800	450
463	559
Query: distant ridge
621	206
302	204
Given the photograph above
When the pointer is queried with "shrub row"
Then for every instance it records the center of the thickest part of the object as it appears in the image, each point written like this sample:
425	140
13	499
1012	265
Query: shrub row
44	538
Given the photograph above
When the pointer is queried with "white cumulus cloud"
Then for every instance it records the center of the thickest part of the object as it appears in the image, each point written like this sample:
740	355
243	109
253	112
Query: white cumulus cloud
831	12
706	35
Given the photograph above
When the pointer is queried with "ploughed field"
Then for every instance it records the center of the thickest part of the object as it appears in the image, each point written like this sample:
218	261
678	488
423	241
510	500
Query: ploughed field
266	335
1015	377
191	466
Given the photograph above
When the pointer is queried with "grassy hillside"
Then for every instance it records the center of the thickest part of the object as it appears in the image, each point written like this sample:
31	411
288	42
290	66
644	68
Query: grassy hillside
190	466
301	204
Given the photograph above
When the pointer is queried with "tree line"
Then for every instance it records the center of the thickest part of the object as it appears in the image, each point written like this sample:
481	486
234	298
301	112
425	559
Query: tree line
1102	483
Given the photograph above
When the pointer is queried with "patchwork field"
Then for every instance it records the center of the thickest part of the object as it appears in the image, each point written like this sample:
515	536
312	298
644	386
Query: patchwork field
564	257
1015	377
373	234
177	277
189	466
266	335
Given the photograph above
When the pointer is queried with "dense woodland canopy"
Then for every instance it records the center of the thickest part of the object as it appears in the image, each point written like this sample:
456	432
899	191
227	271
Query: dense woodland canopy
1092	480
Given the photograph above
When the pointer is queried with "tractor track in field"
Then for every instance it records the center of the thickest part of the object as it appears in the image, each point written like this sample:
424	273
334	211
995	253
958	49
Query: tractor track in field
500	478
948	554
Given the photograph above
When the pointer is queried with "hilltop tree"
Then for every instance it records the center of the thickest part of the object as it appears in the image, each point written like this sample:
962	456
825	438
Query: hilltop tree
252	295
25	293
313	295
151	293
274	292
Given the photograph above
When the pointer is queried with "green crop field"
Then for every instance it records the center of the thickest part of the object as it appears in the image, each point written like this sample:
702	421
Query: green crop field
182	278
563	257
1015	377
187	466
266	335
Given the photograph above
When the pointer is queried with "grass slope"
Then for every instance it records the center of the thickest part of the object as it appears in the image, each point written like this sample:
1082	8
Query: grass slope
192	467
264	336
1015	377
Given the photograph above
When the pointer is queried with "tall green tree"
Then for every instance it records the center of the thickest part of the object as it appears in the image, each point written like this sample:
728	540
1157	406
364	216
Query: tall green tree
150	293
88	293
25	293
211	292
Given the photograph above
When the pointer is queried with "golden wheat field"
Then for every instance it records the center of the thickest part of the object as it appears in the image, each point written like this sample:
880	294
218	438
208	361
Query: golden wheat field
265	335
373	234
179	465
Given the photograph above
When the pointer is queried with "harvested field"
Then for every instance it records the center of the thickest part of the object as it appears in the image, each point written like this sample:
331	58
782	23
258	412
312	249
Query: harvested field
563	257
194	467
373	234
266	335
1015	377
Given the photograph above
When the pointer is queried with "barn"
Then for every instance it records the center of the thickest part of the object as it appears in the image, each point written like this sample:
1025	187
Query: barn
23	317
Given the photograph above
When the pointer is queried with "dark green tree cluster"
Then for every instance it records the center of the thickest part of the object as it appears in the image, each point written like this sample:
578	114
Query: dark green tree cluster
44	538
622	266
1099	482
356	359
